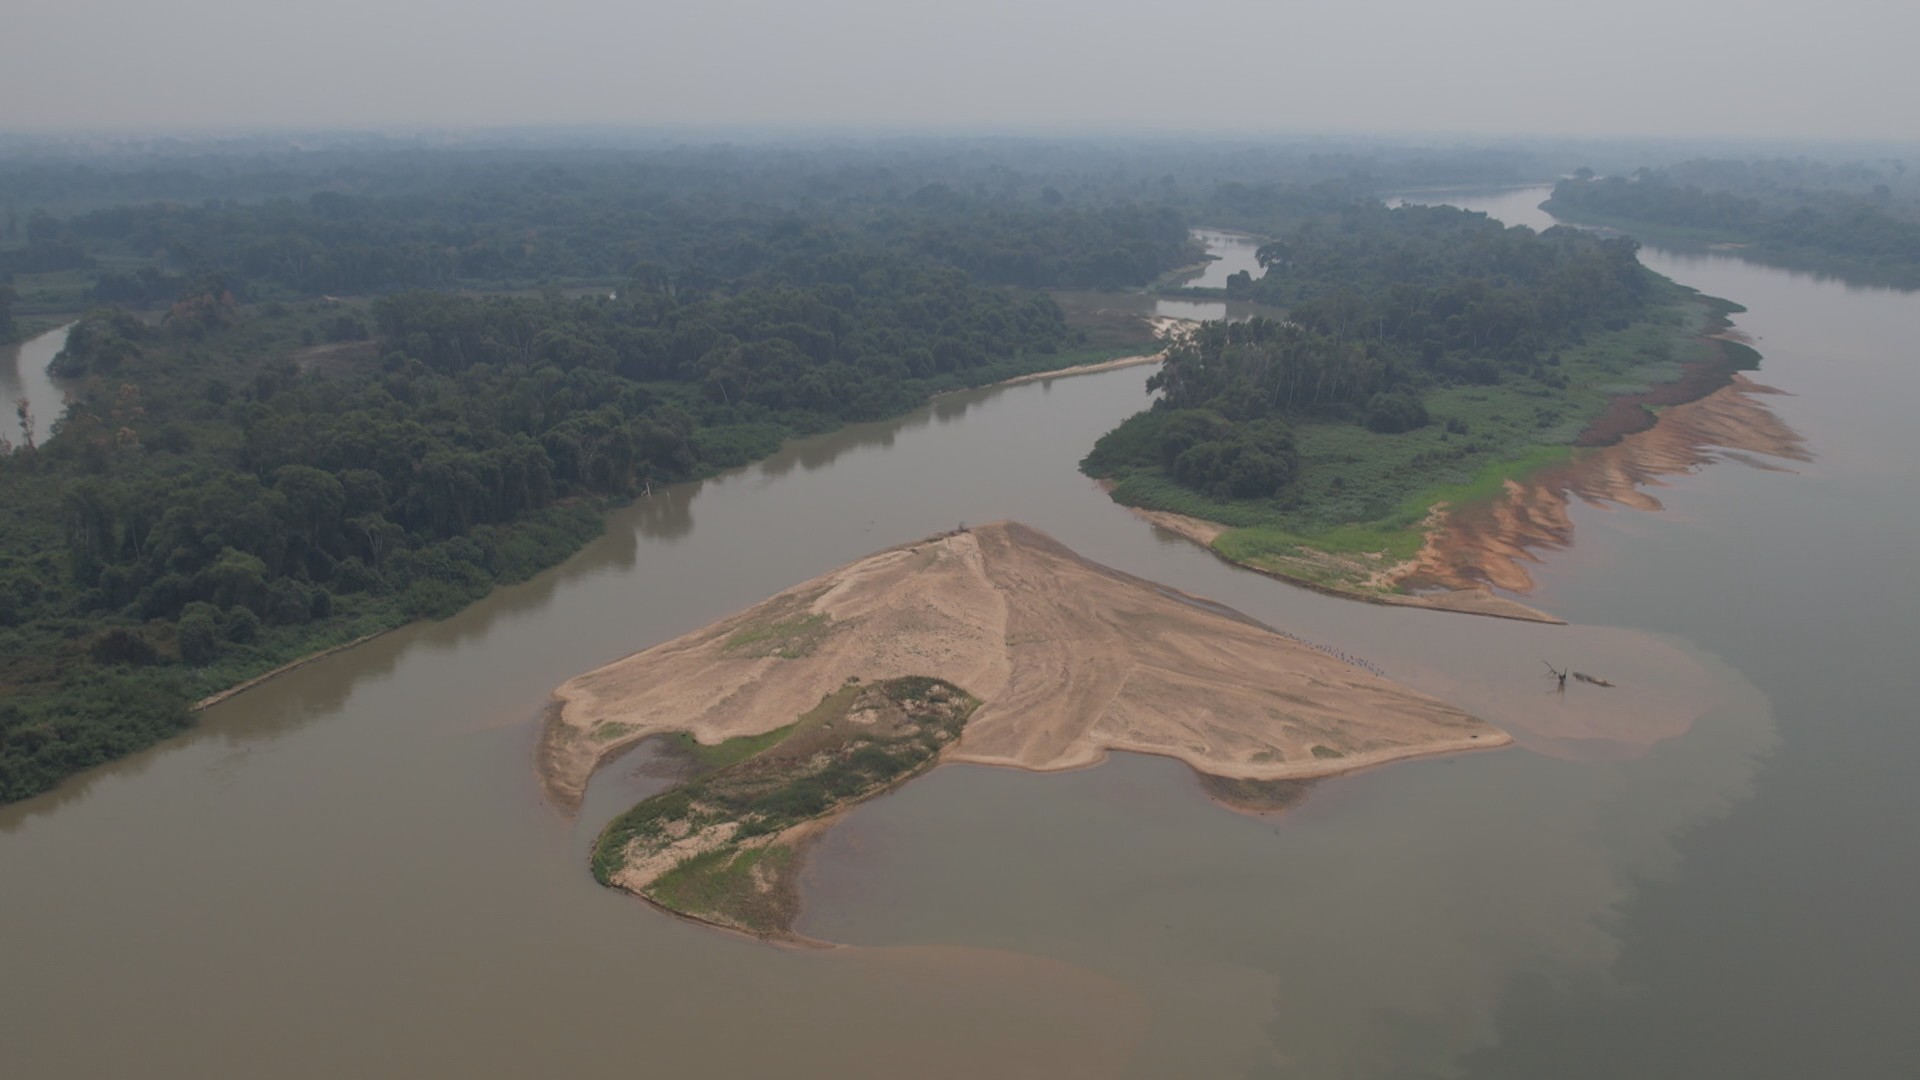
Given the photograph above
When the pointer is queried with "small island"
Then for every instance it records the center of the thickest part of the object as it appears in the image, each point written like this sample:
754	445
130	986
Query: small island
1431	363
992	645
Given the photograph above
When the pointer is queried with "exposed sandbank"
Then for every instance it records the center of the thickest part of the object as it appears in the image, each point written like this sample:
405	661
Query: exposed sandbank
1071	659
1165	328
1068	659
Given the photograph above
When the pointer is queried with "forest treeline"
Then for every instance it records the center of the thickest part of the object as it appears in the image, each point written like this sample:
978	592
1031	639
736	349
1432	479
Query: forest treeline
1383	306
1862	223
115	221
507	237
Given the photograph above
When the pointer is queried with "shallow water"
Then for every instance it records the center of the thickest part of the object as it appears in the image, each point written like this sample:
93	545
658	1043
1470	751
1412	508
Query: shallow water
350	868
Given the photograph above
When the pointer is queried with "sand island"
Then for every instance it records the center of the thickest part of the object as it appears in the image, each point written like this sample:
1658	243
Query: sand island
993	645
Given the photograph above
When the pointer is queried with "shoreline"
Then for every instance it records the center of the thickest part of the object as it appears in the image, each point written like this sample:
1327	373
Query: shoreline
1162	327
1302	788
1083	369
996	614
1469	601
241	687
1166	328
1451	554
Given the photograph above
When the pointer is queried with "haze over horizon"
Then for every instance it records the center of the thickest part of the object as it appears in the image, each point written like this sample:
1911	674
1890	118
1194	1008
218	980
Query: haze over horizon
1712	68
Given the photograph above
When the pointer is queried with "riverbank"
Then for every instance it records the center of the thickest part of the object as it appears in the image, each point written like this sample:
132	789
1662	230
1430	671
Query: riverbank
167	674
1330	567
1069	661
1165	328
1449	547
1693	240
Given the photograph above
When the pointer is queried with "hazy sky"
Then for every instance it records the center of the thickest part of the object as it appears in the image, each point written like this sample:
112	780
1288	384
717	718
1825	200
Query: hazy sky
1838	68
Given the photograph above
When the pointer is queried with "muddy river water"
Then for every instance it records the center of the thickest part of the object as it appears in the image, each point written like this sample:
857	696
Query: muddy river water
350	871
23	377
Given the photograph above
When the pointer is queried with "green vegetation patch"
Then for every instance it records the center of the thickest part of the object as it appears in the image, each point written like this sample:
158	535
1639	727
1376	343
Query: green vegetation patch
1359	499
720	835
740	886
711	756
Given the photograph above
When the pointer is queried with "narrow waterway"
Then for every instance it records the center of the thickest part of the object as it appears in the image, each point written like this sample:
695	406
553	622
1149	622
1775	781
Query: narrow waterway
349	870
1231	252
23	377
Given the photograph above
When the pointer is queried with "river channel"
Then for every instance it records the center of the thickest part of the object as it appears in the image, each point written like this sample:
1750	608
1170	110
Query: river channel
23	377
350	871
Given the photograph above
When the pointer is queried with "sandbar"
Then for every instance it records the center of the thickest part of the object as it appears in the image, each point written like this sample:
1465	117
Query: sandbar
1060	661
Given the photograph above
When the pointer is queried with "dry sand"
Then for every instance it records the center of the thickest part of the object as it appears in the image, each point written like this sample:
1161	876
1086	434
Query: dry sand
1071	659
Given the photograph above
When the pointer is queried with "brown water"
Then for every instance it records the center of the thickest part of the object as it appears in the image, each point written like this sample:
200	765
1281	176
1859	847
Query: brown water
23	374
1232	252
350	869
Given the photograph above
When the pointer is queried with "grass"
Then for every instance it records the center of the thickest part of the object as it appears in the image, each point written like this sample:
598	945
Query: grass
722	883
720	755
1363	498
765	785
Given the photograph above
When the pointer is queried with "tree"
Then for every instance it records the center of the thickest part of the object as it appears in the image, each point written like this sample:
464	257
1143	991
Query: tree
199	634
315	500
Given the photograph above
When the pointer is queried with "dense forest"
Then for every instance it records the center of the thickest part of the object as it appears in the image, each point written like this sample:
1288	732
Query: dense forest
1384	307
239	483
1861	222
9	330
325	389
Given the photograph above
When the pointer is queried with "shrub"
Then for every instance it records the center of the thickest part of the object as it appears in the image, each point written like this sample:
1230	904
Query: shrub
243	626
1391	414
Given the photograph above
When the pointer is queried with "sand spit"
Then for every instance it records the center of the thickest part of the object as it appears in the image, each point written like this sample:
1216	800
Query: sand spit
1165	328
1495	543
1086	369
1070	659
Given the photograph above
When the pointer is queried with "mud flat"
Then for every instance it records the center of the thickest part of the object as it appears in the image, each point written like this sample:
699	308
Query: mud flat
994	645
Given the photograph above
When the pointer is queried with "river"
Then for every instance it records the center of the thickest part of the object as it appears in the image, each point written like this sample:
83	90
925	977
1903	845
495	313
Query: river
23	374
350	870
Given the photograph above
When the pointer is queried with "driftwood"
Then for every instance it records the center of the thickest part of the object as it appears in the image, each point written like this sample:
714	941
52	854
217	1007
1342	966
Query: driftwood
1594	679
